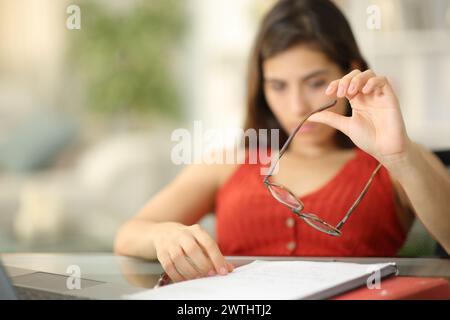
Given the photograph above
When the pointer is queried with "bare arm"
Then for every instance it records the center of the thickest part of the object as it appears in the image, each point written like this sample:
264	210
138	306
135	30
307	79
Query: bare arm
185	200
163	229
426	182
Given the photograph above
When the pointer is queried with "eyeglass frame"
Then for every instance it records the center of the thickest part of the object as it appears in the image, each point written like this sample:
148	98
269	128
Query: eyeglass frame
334	231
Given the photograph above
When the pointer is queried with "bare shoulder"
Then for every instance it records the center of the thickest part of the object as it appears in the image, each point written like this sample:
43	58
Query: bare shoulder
213	168
190	195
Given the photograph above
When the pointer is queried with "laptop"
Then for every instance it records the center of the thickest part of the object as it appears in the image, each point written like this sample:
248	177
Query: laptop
25	284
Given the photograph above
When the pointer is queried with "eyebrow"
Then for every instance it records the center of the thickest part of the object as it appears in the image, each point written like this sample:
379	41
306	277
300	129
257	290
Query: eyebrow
304	78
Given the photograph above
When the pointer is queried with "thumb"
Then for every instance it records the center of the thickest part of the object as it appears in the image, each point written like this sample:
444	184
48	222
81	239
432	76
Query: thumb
332	119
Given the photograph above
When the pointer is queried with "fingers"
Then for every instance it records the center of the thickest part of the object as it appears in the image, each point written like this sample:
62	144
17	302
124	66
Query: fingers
374	83
182	263
193	255
196	255
344	83
332	88
358	82
212	250
332	119
354	83
169	267
185	261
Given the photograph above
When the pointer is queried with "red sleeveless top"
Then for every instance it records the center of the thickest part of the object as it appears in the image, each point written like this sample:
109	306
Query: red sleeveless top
249	221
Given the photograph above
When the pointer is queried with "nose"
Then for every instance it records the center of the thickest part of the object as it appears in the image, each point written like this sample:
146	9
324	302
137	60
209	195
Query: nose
298	103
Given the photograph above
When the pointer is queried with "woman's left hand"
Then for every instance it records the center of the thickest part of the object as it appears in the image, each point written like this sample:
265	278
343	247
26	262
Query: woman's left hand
376	124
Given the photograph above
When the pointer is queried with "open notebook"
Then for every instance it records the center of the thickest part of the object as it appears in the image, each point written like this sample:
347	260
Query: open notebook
273	280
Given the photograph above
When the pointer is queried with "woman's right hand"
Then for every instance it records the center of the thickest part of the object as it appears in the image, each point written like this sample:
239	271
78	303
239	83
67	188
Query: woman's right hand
188	252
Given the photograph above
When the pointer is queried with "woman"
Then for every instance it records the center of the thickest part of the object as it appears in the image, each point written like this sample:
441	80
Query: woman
305	55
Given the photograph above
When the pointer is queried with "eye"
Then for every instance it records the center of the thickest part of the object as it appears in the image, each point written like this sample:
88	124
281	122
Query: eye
277	85
316	84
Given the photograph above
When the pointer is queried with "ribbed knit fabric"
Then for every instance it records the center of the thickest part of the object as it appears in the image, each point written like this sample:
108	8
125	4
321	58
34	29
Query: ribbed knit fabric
249	221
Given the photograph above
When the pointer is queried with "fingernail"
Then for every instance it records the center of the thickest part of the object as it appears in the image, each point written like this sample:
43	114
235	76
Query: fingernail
223	270
328	91
351	89
340	91
211	273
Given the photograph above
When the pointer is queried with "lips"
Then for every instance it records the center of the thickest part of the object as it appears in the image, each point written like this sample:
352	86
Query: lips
306	127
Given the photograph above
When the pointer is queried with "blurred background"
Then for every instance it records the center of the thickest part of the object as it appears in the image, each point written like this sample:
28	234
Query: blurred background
86	115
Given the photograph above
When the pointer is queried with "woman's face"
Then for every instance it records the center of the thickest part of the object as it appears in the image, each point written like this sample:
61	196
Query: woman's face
295	81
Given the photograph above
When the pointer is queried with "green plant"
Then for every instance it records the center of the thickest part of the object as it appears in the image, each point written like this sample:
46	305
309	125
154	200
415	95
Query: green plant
123	57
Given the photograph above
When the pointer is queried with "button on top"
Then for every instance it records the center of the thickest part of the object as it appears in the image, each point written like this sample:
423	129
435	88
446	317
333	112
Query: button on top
291	245
290	222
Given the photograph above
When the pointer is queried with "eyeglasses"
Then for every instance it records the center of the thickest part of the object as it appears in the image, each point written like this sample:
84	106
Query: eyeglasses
287	197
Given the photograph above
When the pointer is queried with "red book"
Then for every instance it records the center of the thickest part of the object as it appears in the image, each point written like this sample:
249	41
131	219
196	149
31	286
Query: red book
402	288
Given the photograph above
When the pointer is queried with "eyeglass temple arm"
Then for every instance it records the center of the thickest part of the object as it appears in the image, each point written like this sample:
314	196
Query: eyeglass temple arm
358	200
292	135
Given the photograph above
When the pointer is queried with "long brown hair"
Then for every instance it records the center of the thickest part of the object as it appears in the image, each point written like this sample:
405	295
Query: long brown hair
316	23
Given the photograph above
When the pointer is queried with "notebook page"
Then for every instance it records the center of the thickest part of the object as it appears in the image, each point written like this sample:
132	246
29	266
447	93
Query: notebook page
270	280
